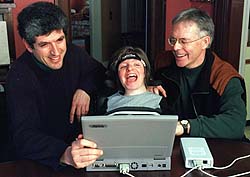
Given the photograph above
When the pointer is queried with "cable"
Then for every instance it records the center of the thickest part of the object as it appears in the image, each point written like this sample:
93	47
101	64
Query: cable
236	175
241	174
189	171
239	158
124	169
197	163
129	174
206	173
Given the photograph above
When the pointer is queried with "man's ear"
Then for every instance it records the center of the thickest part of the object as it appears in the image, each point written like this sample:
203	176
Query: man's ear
27	46
206	42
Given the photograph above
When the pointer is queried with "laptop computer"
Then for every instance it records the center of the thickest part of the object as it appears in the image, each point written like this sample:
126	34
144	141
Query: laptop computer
145	142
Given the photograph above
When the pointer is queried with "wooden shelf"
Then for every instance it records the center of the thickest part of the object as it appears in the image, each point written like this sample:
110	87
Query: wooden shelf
6	7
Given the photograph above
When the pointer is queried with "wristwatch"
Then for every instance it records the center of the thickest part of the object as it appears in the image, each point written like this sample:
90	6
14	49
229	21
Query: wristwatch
184	124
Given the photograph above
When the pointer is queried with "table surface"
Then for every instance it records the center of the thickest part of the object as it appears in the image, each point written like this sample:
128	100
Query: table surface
223	151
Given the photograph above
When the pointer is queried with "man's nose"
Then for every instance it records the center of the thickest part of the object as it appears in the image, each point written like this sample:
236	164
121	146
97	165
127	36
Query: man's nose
177	45
54	49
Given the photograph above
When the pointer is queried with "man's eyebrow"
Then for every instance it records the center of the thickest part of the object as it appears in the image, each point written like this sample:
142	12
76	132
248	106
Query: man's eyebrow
61	37
42	43
46	42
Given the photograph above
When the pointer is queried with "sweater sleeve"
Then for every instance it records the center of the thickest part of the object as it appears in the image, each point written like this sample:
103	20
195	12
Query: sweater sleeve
230	121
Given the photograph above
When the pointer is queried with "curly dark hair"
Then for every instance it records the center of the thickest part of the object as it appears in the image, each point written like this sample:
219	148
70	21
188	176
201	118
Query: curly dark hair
40	18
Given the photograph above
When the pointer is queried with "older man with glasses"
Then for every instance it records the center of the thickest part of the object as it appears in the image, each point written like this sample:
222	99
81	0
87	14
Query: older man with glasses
207	93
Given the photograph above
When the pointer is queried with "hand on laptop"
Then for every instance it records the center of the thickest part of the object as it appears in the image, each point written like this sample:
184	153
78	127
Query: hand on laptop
82	153
80	105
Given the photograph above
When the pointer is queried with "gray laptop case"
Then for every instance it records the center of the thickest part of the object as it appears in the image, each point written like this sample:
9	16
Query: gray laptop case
144	142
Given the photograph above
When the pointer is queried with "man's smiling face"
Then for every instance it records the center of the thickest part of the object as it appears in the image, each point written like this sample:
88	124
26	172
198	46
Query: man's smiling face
190	46
50	49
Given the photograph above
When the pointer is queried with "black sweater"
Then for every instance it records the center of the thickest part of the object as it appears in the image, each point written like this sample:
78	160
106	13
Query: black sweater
39	103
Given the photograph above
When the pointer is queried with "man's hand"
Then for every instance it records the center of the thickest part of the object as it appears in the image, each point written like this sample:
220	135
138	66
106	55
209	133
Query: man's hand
81	153
157	90
179	129
80	104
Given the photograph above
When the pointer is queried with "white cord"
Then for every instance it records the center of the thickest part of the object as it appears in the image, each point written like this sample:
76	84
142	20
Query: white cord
239	158
206	173
241	174
129	174
124	169
189	171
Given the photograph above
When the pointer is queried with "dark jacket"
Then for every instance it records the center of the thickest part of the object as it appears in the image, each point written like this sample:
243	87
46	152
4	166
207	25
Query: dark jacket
39	103
218	99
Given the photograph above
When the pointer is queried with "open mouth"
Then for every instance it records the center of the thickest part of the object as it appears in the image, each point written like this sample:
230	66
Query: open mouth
55	59
180	55
131	77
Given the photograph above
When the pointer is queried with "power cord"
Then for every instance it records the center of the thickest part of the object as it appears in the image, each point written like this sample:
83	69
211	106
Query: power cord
231	164
189	171
198	165
124	169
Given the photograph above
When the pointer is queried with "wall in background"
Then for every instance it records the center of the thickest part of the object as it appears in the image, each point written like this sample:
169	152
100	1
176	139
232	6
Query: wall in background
172	8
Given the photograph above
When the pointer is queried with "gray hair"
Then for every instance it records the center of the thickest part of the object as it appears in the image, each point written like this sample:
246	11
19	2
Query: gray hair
201	18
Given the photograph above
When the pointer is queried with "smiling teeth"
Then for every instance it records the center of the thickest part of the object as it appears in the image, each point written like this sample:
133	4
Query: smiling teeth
132	75
181	55
55	58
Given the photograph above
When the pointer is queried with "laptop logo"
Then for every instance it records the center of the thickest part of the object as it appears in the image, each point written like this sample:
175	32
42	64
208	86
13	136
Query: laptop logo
98	126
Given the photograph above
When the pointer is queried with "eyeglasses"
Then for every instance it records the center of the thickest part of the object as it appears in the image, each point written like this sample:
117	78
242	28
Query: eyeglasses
183	42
